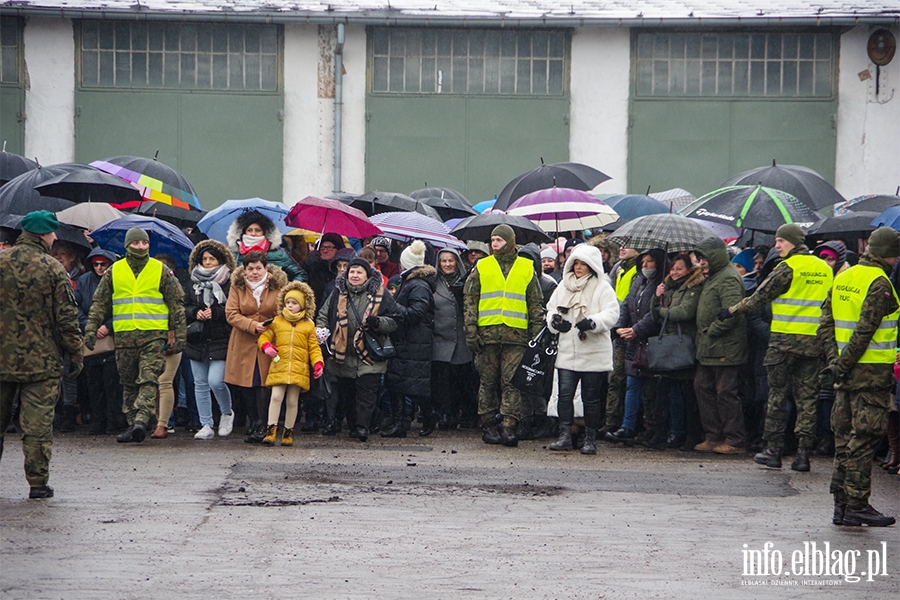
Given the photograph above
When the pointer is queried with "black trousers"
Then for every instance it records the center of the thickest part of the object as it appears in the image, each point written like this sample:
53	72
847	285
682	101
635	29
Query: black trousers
593	388
359	397
104	393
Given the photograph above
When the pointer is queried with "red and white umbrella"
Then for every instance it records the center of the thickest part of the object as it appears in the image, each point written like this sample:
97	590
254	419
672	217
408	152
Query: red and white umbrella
407	226
563	209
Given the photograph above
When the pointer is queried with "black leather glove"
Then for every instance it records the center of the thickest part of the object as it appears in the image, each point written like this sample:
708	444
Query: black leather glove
372	322
585	325
74	370
560	324
724	314
829	376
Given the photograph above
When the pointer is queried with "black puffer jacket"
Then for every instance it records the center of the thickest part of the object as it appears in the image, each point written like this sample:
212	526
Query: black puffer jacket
410	371
212	341
636	312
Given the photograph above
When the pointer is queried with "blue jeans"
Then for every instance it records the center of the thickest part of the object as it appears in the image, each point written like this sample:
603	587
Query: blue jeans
210	374
632	402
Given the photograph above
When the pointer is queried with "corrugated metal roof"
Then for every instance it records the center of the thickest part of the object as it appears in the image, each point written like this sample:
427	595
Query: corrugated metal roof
548	11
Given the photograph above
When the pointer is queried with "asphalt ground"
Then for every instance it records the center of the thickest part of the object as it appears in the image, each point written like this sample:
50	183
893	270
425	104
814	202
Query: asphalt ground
439	517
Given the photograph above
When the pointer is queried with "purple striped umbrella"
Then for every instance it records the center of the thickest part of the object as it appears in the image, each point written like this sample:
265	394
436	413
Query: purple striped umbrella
406	226
563	209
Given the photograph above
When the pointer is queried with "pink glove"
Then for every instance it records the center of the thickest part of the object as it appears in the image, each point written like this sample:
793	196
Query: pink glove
317	370
270	350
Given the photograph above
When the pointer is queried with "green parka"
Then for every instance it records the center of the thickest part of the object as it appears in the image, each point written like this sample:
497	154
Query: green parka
720	343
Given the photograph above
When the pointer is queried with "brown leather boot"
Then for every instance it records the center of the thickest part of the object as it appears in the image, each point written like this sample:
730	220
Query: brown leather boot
893	436
160	432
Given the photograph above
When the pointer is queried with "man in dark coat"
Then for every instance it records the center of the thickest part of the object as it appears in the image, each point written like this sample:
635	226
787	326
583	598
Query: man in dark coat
409	372
38	324
318	264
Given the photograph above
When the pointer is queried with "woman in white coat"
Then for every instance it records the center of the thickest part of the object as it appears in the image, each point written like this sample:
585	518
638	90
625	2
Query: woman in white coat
582	310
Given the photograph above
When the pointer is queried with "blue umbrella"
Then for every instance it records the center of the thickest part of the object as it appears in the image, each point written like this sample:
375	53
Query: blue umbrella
217	221
632	206
165	238
889	218
486	205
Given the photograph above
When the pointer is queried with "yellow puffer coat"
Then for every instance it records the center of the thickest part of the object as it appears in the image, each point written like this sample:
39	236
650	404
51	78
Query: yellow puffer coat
296	342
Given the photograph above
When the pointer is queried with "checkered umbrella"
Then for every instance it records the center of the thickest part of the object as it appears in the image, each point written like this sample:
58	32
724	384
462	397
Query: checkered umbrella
670	232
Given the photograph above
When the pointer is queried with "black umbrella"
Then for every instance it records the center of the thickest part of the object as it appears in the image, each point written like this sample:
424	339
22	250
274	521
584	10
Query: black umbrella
345	197
13	165
375	203
89	184
480	227
179	217
450	204
850	225
872	203
18	197
66	232
751	207
800	182
565	175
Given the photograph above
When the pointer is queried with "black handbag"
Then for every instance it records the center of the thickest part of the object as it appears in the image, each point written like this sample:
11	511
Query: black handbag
379	347
673	352
195	332
537	362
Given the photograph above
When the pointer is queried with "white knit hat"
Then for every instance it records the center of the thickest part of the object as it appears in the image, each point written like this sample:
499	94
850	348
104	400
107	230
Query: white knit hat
413	255
548	253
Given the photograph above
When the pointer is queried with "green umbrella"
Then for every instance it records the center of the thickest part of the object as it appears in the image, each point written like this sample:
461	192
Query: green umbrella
751	207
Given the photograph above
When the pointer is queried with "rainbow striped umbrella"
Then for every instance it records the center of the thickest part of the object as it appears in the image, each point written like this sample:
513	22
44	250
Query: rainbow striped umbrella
156	181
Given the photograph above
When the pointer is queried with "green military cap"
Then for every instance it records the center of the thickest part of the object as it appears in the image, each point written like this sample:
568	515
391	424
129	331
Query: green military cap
40	222
792	233
135	234
885	242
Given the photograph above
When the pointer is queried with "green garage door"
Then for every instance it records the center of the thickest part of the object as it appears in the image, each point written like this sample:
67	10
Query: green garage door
464	109
207	97
12	89
708	106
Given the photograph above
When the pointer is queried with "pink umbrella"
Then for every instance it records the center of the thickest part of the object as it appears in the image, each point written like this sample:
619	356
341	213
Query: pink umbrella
330	216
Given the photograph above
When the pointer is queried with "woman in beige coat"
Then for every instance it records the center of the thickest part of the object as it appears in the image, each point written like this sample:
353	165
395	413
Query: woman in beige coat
252	301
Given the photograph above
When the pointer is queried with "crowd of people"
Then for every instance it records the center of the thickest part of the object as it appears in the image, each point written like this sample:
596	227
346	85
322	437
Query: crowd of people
771	352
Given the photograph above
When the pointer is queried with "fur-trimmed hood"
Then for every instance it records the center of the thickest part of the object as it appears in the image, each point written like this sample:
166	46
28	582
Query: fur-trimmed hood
277	278
310	304
201	247
244	220
419	272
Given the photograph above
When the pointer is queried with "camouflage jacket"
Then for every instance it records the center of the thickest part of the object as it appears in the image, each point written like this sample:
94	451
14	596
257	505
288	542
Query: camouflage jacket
173	295
502	334
878	303
38	318
776	284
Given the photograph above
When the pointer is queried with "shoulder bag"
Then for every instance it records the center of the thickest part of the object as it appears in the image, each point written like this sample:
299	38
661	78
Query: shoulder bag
537	362
673	352
379	347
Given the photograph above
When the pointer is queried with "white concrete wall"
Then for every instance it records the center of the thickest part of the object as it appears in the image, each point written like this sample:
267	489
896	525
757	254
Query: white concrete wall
598	127
50	90
354	129
301	176
868	126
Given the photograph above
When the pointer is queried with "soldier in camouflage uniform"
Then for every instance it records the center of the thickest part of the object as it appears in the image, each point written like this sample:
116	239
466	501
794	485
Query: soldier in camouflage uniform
499	348
792	359
860	368
38	324
140	352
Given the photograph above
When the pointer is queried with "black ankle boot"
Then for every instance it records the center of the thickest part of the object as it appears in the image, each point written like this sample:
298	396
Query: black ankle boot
508	436
801	460
490	434
770	457
256	433
590	441
333	427
565	438
429	423
397	429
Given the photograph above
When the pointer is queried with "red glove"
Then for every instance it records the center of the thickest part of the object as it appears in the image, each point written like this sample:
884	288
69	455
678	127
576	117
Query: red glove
317	370
270	350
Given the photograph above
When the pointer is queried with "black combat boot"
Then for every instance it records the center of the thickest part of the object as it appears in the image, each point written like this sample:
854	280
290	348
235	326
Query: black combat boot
855	516
801	459
135	433
826	446
41	491
770	457
508	436
565	437
491	434
256	432
838	517
429	423
590	441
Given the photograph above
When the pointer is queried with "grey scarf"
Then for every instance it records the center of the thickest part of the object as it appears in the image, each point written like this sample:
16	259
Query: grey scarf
208	283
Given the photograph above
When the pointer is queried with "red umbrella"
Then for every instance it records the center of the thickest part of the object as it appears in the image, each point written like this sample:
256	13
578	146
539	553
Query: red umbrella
330	216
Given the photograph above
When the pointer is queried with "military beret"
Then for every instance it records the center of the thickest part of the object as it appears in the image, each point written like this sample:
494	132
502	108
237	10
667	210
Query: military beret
40	222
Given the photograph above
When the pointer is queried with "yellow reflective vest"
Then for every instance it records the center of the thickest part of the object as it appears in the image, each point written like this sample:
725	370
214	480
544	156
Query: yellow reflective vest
623	282
137	302
797	311
502	300
850	290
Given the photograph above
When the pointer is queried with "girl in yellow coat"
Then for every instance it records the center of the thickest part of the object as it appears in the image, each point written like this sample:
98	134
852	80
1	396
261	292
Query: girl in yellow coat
291	343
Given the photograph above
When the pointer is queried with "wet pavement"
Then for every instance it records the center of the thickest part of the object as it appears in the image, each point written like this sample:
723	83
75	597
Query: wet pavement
439	517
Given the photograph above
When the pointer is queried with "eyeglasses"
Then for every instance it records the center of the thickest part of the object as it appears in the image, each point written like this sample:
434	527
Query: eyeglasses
329	247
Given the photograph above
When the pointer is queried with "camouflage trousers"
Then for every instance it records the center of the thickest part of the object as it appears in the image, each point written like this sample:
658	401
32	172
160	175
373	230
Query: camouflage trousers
139	371
791	377
496	364
38	402
615	397
859	419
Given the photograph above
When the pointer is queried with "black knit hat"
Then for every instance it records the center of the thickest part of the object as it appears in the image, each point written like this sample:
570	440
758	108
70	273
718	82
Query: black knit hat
361	262
249	217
